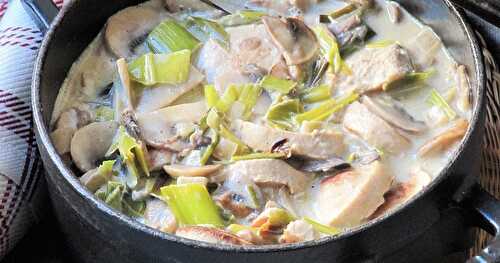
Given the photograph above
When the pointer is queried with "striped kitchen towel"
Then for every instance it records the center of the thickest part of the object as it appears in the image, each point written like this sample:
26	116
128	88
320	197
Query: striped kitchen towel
22	191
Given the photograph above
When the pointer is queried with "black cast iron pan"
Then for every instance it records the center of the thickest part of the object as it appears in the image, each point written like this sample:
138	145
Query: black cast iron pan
437	222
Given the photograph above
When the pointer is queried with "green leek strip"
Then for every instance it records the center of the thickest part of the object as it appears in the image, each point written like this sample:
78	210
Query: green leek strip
214	121
349	8
204	29
254	156
282	115
326	109
192	205
279	217
104	113
151	69
330	50
227	134
208	151
322	228
411	80
133	155
271	83
211	95
227	99
106	167
235	228
316	94
133	208
437	100
253	196
381	43
241	18
112	194
249	95
169	36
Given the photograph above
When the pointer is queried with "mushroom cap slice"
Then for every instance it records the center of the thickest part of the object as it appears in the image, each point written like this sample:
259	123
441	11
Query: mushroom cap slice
126	28
444	140
294	38
177	170
393	113
90	144
210	235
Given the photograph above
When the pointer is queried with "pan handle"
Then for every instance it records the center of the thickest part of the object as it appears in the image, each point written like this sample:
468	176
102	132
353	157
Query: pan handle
41	11
488	10
485	214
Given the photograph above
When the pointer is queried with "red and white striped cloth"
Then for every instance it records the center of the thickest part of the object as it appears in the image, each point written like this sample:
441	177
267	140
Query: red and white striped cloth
21	184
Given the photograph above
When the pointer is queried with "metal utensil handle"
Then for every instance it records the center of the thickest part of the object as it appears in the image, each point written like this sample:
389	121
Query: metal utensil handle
488	10
486	215
41	11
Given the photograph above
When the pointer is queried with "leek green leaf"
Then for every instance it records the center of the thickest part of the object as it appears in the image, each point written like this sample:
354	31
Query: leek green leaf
243	17
204	29
133	154
208	151
151	69
322	228
411	80
211	95
326	109
104	113
330	49
381	43
316	94
253	156
437	100
192	205
282	115
271	83
235	228
170	36
227	99
249	94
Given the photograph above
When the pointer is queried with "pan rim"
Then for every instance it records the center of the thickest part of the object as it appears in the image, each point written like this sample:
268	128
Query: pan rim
43	140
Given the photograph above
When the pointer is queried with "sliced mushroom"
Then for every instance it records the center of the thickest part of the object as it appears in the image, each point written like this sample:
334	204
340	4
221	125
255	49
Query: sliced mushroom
389	110
163	95
234	203
90	144
270	172
176	170
66	126
295	39
210	235
127	28
325	166
158	127
445	139
463	88
126	83
394	12
159	158
158	215
192	180
320	144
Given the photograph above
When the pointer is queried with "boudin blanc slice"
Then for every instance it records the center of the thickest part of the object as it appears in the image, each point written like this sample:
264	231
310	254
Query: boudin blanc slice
349	198
373	129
